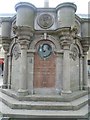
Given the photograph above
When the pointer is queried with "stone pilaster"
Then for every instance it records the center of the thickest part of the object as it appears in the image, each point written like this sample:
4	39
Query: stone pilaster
24	34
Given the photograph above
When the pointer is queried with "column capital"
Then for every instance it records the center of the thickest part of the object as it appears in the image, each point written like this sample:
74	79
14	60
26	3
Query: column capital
24	44
69	31
65	43
6	43
85	44
24	34
23	31
65	37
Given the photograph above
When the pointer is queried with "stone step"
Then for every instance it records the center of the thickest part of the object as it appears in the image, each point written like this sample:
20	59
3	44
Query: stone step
21	113
44	105
55	98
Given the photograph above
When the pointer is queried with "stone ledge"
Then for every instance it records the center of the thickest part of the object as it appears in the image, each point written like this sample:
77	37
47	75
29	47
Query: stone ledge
57	98
15	113
44	105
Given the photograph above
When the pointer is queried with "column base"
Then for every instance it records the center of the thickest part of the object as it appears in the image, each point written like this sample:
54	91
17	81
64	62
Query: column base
4	86
22	92
66	92
9	86
86	87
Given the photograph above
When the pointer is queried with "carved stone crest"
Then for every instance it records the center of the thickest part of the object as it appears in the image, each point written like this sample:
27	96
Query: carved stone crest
74	53
16	51
45	21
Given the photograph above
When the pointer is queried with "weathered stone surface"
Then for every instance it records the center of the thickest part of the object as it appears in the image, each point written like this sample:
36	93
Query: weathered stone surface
46	63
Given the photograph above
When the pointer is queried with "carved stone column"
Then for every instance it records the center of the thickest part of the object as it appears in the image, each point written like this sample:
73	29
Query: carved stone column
31	70
65	41
6	48
5	34
85	72
23	70
85	46
24	34
81	73
66	70
5	43
5	76
9	71
59	71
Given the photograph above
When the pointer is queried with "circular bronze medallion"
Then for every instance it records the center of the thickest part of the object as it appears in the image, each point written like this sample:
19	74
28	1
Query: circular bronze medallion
44	50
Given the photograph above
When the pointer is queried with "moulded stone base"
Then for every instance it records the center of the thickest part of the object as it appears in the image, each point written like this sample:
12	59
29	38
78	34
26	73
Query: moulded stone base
71	105
9	86
66	92
4	86
22	92
46	91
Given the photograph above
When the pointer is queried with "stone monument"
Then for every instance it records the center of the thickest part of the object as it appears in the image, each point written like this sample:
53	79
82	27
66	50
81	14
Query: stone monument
45	62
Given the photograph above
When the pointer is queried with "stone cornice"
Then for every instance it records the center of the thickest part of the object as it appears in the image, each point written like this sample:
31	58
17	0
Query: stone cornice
67	4
6	19
24	4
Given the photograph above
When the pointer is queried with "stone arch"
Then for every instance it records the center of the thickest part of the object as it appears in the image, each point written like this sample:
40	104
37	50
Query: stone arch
13	43
49	38
11	46
75	63
79	46
45	77
13	56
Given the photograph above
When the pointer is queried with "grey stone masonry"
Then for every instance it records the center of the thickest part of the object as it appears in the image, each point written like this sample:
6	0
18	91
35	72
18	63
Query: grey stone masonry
45	65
